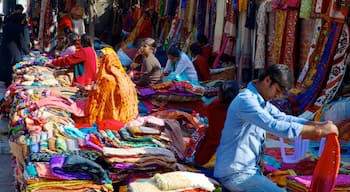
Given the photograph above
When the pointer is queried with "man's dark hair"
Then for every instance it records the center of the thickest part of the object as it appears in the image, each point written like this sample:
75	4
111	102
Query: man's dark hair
228	91
202	39
174	51
279	74
196	49
19	7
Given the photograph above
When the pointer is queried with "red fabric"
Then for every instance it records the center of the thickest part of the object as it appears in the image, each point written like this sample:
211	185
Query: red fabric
327	167
202	68
65	22
145	29
216	113
110	124
207	51
86	56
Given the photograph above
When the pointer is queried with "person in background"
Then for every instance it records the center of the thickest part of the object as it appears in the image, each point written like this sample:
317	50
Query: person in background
207	49
72	39
14	43
179	66
150	67
216	114
200	62
84	62
249	116
17	10
77	15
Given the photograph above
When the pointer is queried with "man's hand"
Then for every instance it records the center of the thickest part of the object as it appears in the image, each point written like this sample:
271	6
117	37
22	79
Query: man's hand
48	64
327	128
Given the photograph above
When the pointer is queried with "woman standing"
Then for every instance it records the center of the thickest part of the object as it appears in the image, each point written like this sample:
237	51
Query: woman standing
151	68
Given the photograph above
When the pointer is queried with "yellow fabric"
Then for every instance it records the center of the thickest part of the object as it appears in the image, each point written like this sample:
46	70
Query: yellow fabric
211	162
36	186
114	96
132	36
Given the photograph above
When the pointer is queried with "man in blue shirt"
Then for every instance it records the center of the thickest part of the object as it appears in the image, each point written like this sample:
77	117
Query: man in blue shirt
248	118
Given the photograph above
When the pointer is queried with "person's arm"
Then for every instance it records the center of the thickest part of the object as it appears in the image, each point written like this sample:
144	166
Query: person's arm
276	113
166	70
73	59
23	39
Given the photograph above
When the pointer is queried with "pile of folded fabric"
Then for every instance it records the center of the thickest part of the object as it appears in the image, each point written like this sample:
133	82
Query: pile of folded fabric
174	181
303	183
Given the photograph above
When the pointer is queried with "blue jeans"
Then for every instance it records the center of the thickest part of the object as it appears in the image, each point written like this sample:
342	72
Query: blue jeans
249	182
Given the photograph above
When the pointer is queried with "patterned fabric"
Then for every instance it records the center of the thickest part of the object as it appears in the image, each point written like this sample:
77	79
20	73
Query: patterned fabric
305	9
261	32
317	31
337	71
338	10
305	99
281	16
288	48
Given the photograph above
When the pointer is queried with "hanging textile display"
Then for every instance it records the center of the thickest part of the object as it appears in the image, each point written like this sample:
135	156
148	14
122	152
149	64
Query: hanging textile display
201	15
191	12
230	28
288	47
336	74
261	32
320	73
281	16
219	25
316	33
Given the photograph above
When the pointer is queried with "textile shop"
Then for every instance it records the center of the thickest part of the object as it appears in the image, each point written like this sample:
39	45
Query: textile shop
63	139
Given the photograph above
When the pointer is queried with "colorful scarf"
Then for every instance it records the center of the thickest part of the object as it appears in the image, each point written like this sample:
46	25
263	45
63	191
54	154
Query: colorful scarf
261	32
281	16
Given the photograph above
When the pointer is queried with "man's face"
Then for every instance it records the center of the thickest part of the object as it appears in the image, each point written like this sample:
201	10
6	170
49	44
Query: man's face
272	90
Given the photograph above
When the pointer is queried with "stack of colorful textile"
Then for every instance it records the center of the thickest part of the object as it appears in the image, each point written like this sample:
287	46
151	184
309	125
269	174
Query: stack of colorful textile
303	183
174	181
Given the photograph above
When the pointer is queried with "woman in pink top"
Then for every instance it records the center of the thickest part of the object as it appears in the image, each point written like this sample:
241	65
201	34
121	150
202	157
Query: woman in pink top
84	62
71	42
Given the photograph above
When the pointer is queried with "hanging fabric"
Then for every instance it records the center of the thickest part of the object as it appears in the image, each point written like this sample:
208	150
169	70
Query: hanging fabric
289	48
260	53
219	25
320	73
336	73
281	16
230	28
201	16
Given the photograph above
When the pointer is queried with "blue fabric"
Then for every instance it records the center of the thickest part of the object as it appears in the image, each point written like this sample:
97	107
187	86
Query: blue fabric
249	116
124	58
88	130
247	182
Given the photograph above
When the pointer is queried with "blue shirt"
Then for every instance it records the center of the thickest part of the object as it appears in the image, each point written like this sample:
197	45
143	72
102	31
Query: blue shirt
248	118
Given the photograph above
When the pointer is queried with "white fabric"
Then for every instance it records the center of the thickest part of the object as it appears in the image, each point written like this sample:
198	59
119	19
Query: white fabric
78	26
109	151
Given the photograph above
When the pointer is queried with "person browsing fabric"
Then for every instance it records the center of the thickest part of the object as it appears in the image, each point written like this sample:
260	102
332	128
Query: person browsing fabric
84	61
249	116
179	66
200	62
150	68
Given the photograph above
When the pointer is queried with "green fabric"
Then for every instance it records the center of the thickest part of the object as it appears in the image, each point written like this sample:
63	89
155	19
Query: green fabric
61	144
305	9
79	69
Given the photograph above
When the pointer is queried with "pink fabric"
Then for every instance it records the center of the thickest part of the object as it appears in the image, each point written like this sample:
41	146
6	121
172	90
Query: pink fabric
342	180
222	49
43	170
61	103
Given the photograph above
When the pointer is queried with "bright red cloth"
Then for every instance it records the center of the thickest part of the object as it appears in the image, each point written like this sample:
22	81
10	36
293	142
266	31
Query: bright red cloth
110	124
216	113
65	22
202	68
207	51
87	57
145	29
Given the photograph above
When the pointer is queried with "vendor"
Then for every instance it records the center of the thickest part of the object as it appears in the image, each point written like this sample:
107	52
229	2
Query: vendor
70	46
150	68
84	61
179	66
